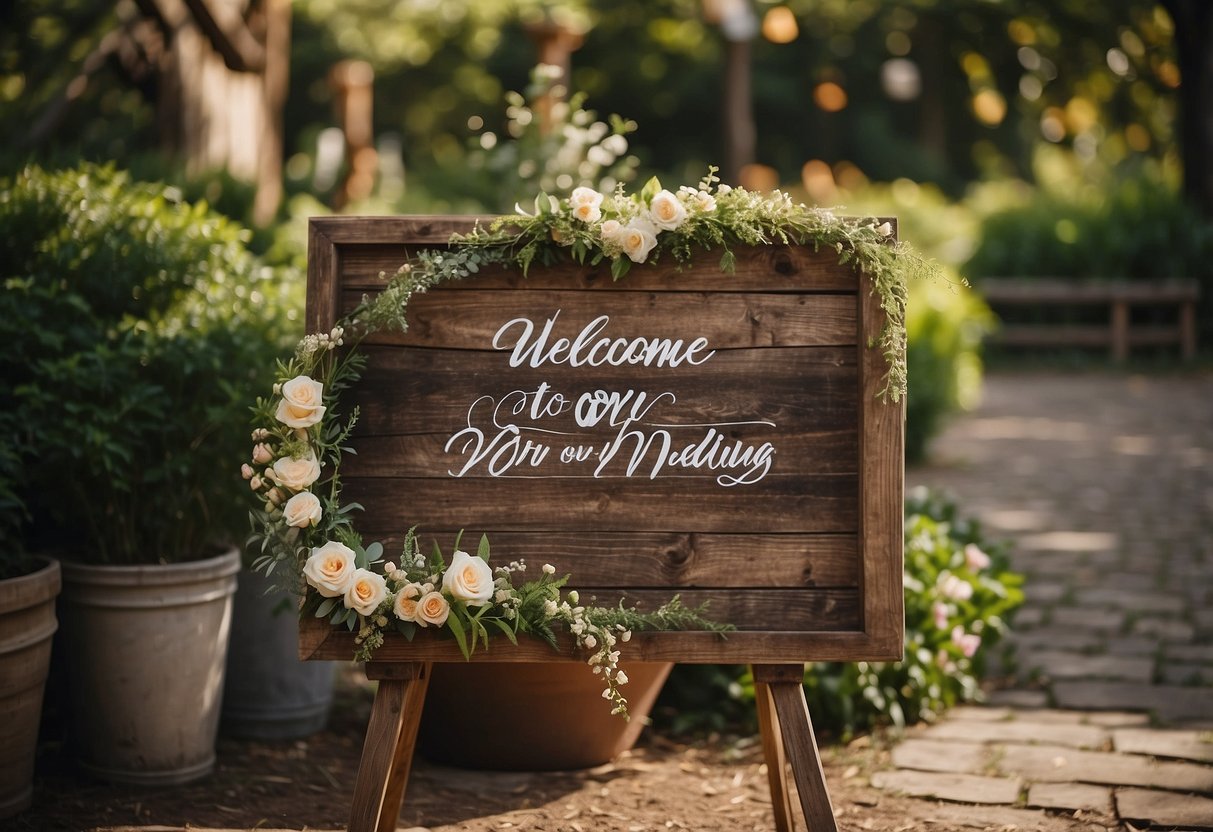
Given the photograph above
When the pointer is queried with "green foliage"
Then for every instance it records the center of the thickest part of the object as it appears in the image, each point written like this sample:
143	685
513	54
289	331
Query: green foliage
1138	229
959	595
945	326
138	326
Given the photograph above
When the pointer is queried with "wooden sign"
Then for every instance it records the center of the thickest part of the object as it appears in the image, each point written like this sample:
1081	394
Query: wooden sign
717	436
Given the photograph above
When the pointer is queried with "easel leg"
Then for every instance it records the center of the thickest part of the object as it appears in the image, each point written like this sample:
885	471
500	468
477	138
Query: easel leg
796	729
387	754
772	749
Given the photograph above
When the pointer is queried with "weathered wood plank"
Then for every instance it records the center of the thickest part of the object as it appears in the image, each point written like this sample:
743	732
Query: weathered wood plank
881	488
422	455
469	320
319	640
662	559
417	390
798	503
775	268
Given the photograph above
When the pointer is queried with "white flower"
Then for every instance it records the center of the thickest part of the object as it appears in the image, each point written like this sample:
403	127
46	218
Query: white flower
432	609
405	606
468	579
573	597
302	510
939	611
586	204
666	211
549	608
975	558
954	588
296	473
884	229
548	569
637	239
703	200
366	591
302	403
610	231
621	678
589	641
330	569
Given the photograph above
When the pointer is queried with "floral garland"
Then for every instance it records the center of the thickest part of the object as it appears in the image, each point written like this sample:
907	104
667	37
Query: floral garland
305	530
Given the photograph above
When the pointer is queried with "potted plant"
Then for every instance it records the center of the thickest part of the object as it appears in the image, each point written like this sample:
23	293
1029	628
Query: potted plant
137	324
28	587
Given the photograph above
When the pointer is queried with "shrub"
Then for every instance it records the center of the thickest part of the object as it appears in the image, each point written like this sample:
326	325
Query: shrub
959	595
138	327
945	327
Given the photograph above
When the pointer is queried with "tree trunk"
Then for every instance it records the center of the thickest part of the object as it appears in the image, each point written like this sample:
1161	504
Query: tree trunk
215	117
1194	45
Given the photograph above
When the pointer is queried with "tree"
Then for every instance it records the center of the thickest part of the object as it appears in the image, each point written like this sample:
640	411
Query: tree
1194	43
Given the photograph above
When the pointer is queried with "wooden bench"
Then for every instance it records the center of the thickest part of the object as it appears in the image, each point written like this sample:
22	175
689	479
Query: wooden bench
1119	295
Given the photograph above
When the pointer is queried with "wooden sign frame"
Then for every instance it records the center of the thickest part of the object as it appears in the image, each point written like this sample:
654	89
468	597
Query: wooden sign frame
837	592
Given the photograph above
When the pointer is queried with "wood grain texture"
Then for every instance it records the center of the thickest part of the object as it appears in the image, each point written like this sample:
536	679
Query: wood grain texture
667	559
807	560
776	759
801	746
320	641
777	504
378	751
881	489
406	743
469	320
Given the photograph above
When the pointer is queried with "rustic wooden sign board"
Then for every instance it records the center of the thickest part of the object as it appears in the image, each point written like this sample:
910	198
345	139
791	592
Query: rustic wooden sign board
713	435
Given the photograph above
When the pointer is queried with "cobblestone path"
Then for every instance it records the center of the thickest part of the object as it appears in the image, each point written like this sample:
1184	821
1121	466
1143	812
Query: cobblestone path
1105	482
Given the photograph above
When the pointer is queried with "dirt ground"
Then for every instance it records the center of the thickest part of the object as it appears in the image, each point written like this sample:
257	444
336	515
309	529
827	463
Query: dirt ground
718	783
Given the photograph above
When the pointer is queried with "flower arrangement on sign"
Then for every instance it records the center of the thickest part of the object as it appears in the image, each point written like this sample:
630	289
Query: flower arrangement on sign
305	530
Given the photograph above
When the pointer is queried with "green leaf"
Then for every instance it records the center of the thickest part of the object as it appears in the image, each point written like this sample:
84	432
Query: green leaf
456	627
374	552
650	190
505	628
326	607
482	551
458	538
620	267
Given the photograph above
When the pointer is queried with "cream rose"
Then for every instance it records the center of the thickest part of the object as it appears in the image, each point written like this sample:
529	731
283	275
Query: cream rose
610	231
637	239
302	510
405	608
586	204
302	402
666	211
432	608
330	569
468	579
296	474
366	591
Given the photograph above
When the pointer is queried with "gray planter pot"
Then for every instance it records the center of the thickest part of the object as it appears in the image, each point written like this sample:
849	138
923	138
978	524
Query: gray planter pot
270	694
146	648
27	623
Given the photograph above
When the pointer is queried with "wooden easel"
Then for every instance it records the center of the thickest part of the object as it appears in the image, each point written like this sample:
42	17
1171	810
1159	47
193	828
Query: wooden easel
783	718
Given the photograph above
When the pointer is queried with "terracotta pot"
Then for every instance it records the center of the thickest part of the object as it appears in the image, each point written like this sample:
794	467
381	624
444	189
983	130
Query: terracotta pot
269	693
532	717
27	622
145	648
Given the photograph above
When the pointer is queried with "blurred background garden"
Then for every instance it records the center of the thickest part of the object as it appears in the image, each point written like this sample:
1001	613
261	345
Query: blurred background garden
161	158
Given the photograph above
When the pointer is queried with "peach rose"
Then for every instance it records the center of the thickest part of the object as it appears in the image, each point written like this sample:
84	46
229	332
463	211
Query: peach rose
468	579
666	211
302	510
330	569
366	591
432	608
302	402
296	474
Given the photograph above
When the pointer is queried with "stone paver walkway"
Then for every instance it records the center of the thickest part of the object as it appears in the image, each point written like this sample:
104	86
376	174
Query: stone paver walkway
1105	482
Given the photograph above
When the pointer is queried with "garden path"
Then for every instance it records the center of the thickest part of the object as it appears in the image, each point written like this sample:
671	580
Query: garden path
1105	483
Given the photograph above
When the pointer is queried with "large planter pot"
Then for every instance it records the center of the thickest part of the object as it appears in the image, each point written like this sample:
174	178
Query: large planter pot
146	648
27	622
532	717
269	693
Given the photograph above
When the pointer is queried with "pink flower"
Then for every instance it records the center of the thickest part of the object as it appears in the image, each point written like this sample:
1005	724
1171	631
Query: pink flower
976	559
954	588
939	611
967	642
